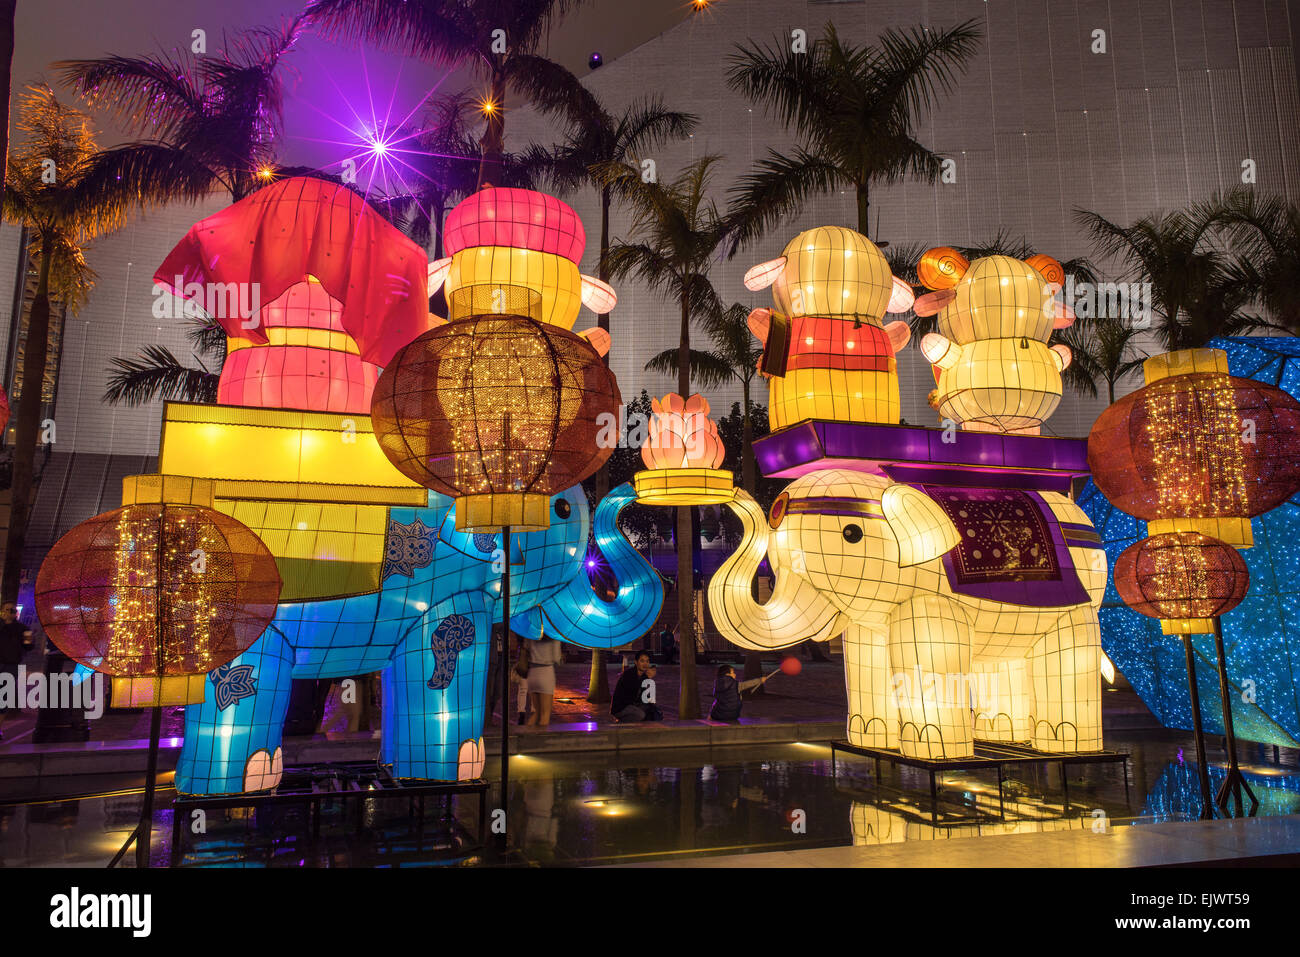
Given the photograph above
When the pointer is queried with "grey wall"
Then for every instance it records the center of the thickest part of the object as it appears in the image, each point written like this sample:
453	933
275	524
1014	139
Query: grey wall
1038	126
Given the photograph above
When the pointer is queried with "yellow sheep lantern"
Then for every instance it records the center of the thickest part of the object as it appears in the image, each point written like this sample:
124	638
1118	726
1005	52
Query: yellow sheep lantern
995	370
827	353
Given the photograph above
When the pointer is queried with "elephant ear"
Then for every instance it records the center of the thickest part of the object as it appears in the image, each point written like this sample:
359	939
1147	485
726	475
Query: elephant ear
920	526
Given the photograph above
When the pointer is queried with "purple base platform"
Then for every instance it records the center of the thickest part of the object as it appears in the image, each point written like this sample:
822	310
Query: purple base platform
916	454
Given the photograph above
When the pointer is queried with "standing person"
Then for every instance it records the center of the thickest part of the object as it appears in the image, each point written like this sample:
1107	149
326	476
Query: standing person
727	691
519	678
15	641
543	656
628	702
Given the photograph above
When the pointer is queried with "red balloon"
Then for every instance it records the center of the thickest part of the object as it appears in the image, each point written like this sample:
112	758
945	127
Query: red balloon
791	666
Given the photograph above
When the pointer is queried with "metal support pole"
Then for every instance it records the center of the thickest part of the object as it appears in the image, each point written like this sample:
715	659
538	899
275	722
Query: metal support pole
505	670
1207	807
150	783
1235	782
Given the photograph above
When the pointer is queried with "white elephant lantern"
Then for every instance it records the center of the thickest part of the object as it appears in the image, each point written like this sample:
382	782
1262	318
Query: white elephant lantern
683	452
966	612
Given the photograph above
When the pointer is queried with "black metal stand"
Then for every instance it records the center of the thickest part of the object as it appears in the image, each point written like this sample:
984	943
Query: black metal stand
988	755
505	673
1203	769
142	835
1235	782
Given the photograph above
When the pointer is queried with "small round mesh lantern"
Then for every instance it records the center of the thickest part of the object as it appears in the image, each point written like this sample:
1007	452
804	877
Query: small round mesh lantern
1185	579
159	592
498	410
1197	449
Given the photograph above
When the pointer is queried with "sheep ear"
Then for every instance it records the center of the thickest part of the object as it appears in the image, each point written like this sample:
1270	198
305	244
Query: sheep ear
438	270
921	528
900	333
764	274
933	303
901	297
759	321
598	296
940	351
598	339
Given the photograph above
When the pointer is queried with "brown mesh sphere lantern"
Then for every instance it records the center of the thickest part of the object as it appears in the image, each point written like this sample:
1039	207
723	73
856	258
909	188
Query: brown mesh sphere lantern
498	411
1197	449
159	592
1185	579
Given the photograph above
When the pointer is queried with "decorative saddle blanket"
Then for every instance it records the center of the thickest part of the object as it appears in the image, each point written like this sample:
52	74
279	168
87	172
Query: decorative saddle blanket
1013	548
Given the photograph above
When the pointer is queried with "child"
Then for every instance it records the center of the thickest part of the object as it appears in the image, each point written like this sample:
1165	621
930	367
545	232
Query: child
727	691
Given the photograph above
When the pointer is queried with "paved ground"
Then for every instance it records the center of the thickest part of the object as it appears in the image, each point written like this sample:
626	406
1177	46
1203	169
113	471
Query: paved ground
1255	842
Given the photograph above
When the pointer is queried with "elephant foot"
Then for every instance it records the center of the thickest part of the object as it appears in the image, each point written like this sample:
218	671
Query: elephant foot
470	761
1056	740
998	728
263	771
874	733
928	743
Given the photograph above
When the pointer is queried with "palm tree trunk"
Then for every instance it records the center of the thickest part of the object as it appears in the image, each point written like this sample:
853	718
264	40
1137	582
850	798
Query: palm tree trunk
748	480
598	682
748	467
864	206
489	170
8	9
26	430
688	703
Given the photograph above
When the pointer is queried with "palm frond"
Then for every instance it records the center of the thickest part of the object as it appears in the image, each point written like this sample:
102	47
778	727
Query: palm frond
158	374
777	189
707	368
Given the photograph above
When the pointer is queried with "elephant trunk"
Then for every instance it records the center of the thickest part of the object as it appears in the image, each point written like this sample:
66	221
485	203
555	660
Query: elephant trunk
581	617
795	612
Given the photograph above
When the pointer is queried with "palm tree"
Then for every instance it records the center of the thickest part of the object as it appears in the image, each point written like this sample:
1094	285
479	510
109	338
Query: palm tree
210	121
594	139
853	110
453	32
47	192
157	373
1104	349
681	231
1264	231
8	12
733	358
1197	292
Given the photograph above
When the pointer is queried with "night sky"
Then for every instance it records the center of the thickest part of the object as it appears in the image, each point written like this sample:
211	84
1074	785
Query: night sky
327	84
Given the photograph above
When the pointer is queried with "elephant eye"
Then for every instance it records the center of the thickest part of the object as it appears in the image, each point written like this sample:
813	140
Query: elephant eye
852	533
562	508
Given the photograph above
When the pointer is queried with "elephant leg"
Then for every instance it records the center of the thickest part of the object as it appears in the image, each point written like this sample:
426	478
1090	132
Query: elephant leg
930	641
232	740
438	689
1004	700
873	712
1065	665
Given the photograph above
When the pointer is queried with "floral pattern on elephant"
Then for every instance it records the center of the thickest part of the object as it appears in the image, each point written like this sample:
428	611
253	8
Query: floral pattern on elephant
453	635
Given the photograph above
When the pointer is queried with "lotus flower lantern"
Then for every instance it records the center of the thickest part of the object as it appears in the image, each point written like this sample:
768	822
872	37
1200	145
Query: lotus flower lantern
683	453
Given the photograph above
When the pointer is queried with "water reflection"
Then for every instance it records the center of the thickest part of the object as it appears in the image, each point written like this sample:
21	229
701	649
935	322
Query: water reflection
603	808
